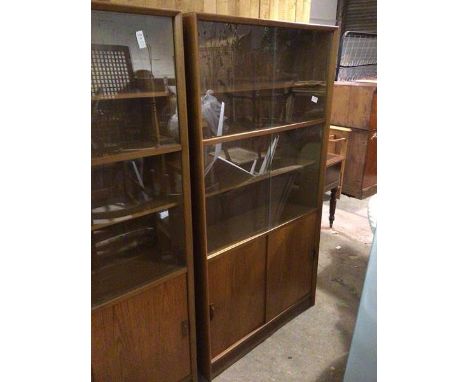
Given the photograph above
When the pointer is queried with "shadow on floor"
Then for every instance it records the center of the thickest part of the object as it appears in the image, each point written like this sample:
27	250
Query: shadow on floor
343	279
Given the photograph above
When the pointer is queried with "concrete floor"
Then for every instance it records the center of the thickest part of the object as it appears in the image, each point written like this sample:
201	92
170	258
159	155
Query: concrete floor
314	346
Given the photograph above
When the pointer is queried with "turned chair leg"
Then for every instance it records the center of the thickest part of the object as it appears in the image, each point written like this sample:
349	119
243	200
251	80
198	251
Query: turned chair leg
332	206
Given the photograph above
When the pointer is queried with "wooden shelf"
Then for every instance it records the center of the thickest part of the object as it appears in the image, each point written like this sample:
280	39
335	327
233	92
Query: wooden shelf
269	85
154	207
333	159
262	131
134	154
254	179
233	230
117	280
133	95
226	232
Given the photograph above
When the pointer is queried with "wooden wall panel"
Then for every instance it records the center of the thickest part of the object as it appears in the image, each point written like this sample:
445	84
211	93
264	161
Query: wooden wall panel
285	10
274	10
304	16
209	6
298	11
222	7
248	8
264	9
170	4
192	5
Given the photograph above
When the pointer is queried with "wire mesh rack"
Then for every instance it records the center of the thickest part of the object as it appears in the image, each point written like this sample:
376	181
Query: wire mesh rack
357	57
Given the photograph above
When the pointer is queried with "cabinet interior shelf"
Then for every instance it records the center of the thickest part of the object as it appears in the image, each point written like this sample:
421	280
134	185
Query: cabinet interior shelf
334	159
157	206
130	95
112	282
254	179
261	132
234	230
134	154
270	85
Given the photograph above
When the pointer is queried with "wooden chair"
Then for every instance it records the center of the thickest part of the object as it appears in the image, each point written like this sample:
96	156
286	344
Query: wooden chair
336	160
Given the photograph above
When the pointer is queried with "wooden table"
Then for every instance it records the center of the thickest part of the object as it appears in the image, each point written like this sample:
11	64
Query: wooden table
335	165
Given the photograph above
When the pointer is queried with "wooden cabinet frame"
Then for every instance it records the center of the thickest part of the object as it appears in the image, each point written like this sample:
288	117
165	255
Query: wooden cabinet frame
211	364
175	288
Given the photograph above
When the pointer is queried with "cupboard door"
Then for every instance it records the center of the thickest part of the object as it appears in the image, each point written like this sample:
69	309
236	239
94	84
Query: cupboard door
237	294
289	270
143	338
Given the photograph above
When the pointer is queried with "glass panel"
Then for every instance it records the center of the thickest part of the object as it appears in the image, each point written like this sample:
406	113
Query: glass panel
254	184
138	225
237	190
124	189
130	254
133	89
294	174
301	58
258	77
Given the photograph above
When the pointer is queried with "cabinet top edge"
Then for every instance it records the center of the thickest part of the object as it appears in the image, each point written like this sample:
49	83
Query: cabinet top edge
200	16
112	7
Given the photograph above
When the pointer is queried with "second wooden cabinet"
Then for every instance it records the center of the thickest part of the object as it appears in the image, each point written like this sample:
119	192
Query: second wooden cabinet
259	108
142	295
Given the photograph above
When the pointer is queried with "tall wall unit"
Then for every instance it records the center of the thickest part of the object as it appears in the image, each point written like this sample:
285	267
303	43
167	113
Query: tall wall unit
143	325
259	108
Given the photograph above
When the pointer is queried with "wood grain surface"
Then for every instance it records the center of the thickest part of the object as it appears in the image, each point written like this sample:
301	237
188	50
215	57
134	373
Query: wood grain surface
144	338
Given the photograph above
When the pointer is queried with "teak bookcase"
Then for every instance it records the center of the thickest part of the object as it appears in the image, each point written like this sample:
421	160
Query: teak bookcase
259	95
143	321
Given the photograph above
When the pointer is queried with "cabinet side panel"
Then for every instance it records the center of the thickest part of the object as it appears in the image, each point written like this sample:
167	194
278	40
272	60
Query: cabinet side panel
143	338
333	50
289	269
237	293
370	169
353	105
355	162
183	120
360	106
373	116
198	199
340	105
